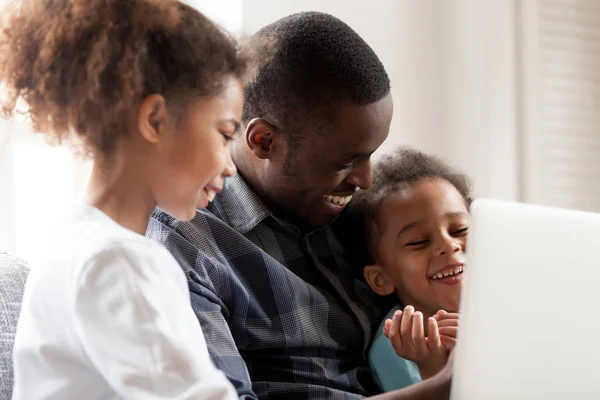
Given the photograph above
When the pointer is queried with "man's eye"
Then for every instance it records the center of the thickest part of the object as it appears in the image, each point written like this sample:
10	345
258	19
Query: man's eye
344	167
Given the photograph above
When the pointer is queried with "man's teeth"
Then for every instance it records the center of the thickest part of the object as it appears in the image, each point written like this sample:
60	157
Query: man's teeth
338	200
444	274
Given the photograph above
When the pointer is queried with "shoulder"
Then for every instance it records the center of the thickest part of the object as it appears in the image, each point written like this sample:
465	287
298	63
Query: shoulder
90	234
204	227
97	241
206	248
202	239
93	238
122	256
105	268
119	243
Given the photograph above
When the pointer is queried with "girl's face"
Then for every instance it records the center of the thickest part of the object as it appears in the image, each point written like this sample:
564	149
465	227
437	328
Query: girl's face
421	249
193	157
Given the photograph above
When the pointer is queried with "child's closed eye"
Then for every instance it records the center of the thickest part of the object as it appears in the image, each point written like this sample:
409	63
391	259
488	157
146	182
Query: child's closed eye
422	243
417	243
460	232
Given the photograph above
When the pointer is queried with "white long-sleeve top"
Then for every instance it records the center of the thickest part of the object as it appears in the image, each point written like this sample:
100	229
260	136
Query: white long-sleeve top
107	315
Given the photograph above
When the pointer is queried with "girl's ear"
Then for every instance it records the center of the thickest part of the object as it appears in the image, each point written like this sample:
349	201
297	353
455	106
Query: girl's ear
152	118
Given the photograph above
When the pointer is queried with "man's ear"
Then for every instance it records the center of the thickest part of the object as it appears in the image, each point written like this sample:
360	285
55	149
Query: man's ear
378	280
152	118
260	138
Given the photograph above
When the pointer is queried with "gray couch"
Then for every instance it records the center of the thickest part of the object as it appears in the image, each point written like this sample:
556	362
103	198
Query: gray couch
13	273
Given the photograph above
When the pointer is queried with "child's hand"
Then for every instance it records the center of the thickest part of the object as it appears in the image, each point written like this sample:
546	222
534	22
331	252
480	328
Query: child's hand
447	327
407	336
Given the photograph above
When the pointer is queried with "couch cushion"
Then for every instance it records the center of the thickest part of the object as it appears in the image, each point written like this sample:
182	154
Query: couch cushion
13	273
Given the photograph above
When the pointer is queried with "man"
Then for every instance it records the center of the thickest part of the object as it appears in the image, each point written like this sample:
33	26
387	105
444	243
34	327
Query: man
270	282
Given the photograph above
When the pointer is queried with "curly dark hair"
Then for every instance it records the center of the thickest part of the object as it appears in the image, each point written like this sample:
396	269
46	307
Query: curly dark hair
320	62
81	66
397	171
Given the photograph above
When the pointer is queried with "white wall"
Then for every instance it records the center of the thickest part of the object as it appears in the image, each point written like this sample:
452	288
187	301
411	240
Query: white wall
452	66
561	99
480	125
39	183
227	13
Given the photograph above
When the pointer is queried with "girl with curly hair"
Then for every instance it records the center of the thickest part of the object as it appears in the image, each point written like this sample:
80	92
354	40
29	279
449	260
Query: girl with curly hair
152	90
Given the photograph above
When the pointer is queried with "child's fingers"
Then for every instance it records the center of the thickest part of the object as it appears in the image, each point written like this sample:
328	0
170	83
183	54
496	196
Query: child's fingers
447	322
448	342
394	336
418	334
443	315
439	313
433	335
386	327
406	327
450	331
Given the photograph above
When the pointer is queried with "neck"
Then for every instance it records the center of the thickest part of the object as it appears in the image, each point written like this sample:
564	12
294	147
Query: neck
120	191
248	171
256	187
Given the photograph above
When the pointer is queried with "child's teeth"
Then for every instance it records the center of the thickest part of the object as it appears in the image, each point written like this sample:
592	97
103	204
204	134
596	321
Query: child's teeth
445	274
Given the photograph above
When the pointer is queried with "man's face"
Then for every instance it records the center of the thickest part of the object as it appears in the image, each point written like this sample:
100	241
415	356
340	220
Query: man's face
318	175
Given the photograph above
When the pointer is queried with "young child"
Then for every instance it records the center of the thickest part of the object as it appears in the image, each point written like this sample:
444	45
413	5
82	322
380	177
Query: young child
153	89
416	219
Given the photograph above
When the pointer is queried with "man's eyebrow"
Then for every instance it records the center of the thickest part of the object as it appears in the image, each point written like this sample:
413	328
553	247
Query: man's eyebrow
353	156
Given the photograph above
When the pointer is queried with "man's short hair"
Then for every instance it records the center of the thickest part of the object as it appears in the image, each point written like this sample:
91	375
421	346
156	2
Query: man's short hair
319	63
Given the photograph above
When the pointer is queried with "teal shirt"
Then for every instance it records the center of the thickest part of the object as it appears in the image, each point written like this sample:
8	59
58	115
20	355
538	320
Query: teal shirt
390	371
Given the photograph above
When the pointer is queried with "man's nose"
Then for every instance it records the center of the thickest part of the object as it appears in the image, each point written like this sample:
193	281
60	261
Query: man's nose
362	174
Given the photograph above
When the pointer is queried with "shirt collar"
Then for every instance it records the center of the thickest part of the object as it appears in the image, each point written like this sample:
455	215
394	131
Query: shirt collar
240	206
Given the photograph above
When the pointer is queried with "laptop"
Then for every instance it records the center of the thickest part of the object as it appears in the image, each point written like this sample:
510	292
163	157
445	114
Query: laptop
530	305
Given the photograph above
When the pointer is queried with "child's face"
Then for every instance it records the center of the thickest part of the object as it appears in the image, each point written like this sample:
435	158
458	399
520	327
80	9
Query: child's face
193	158
421	249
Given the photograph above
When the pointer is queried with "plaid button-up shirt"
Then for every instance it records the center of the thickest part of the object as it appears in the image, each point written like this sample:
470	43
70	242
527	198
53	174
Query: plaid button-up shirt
280	309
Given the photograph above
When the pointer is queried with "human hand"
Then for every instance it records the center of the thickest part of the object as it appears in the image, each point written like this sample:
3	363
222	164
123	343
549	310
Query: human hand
407	336
447	327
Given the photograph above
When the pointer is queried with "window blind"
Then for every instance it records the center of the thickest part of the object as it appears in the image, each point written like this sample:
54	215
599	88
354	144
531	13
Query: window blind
567	104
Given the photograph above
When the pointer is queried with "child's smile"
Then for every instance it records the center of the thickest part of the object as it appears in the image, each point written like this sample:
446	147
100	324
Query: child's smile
451	275
422	243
